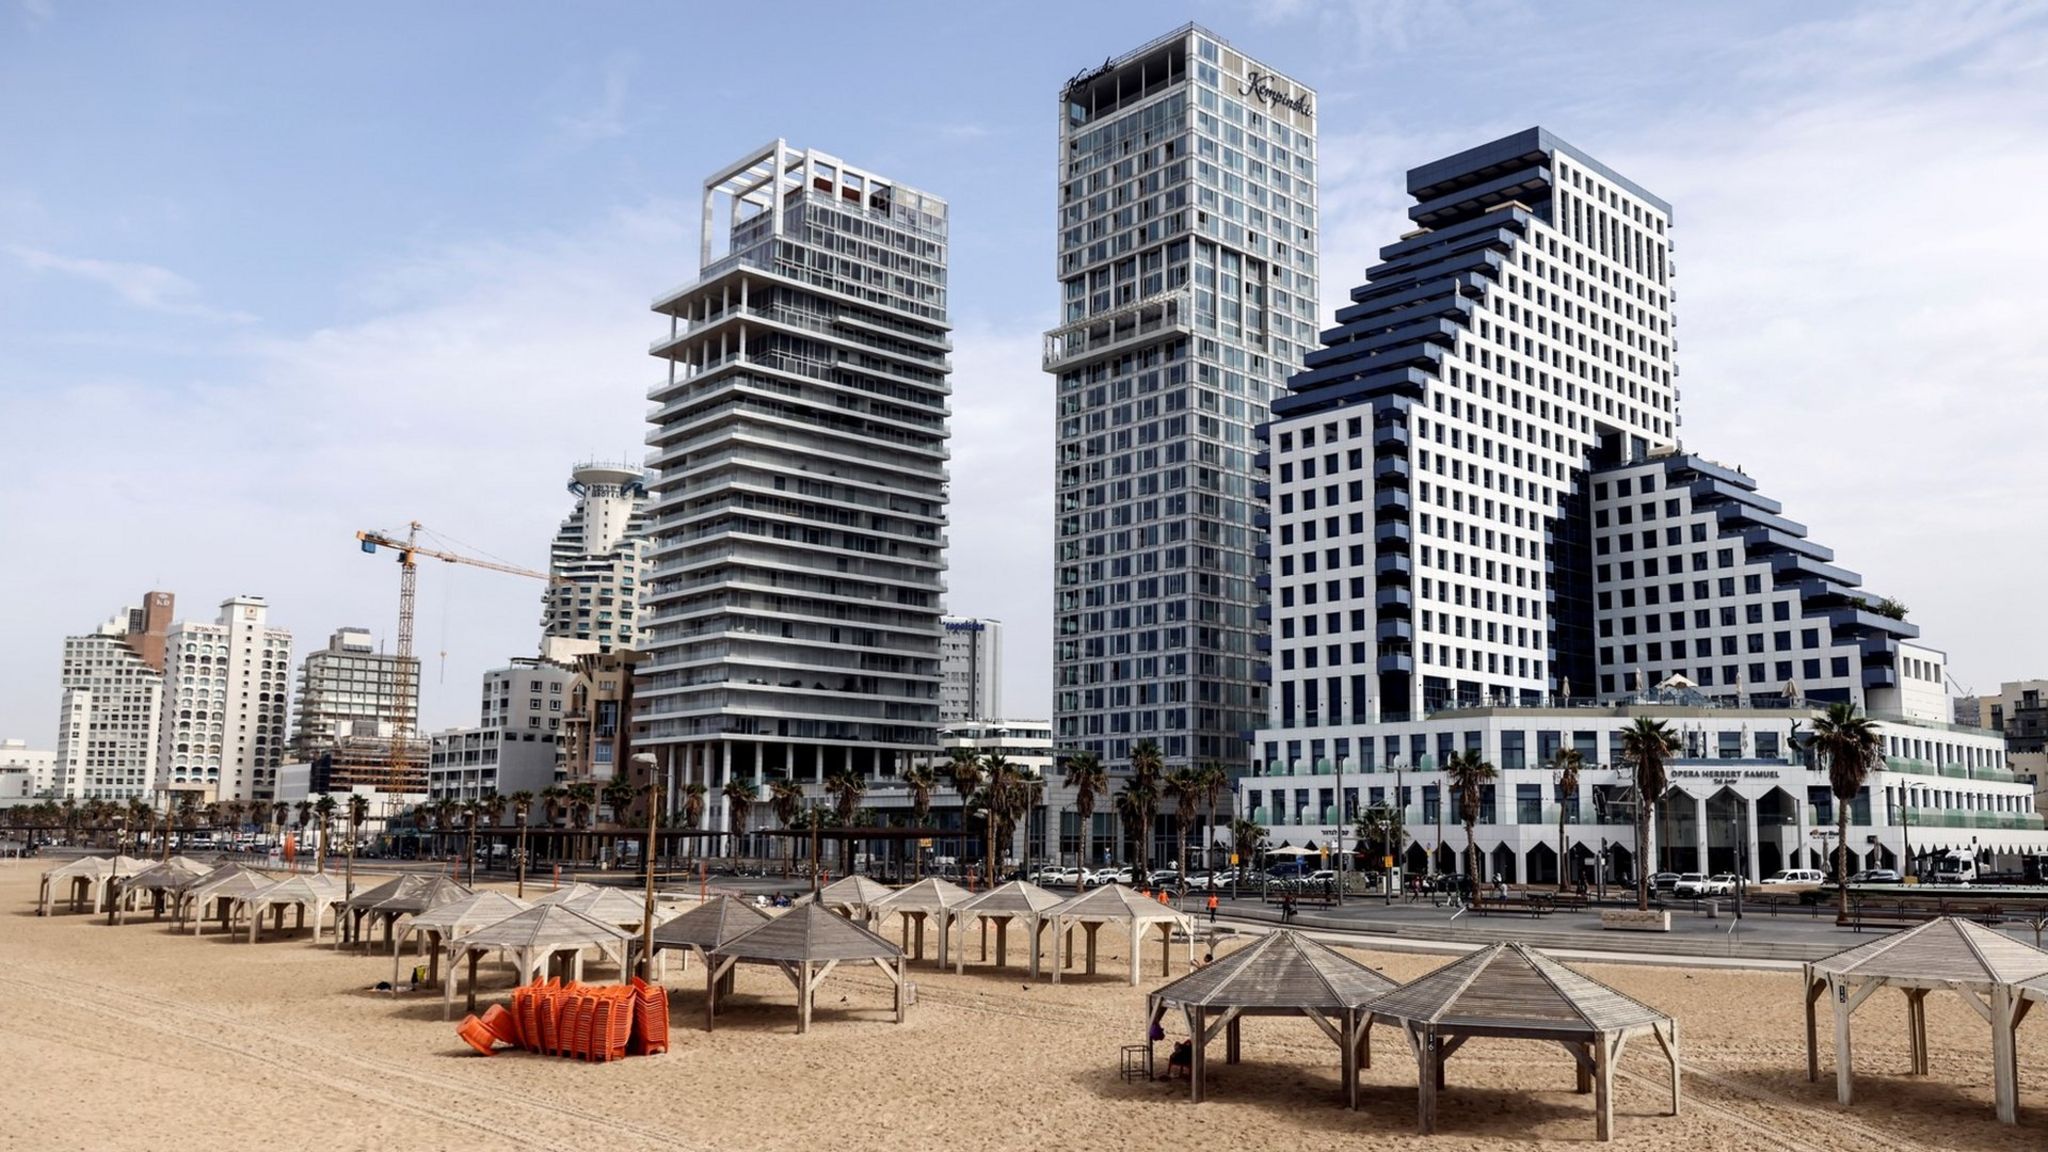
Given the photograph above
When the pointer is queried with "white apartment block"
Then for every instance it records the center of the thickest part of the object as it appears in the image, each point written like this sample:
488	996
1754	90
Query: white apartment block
799	476
1189	292
33	769
227	686
109	715
516	741
1485	539
970	669
598	558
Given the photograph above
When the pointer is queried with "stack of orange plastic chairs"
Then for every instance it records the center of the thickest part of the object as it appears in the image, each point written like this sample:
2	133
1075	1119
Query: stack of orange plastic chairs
583	1021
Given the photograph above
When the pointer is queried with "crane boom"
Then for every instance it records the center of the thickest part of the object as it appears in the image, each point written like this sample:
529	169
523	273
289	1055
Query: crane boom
409	551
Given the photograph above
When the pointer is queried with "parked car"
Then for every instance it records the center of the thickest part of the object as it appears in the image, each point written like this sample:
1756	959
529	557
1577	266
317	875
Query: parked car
1165	878
1694	886
1666	881
1876	876
1795	876
1289	870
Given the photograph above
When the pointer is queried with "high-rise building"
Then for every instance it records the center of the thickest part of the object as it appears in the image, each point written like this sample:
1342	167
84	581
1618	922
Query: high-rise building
799	458
107	725
971	669
597	558
227	687
1486	541
516	743
1187	268
351	697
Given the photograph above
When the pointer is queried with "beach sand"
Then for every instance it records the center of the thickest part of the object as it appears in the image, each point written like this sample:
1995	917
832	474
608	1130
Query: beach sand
135	1037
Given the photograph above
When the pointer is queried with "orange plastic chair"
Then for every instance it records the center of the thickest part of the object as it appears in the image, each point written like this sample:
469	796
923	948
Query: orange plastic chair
601	1011
502	1024
624	1006
650	1017
575	1025
524	1001
475	1035
546	1014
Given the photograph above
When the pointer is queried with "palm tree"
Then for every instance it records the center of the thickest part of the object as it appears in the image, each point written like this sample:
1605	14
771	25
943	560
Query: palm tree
1647	745
358	812
922	781
786	801
582	806
693	808
1148	764
522	810
1567	762
1185	786
847	790
278	811
1467	772
998	779
1245	838
1849	744
472	811
1215	784
304	811
1135	806
739	804
963	769
618	796
324	808
1089	779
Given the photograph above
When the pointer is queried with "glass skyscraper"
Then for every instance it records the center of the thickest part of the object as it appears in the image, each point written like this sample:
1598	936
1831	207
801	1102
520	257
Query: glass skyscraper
1187	267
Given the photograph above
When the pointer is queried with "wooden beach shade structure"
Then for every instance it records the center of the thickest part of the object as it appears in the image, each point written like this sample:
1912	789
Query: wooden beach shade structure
532	939
567	891
1516	992
161	881
314	892
1282	973
448	920
806	943
611	905
84	882
1117	904
409	895
218	895
1982	966
1018	900
705	928
850	896
928	899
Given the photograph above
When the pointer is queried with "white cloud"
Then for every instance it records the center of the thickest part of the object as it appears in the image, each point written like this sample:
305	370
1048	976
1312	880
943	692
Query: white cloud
145	286
606	121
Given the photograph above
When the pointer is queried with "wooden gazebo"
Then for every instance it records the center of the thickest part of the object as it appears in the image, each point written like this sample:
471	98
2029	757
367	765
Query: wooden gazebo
160	881
806	943
614	906
1017	900
449	920
1516	992
930	898
310	892
218	894
705	928
1282	973
532	939
1985	967
1117	904
86	880
850	896
409	895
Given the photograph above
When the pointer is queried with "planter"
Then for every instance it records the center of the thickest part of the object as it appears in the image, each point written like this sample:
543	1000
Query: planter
1632	920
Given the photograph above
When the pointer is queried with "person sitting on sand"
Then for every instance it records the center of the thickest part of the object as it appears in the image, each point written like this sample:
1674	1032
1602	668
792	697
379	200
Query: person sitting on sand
1181	1061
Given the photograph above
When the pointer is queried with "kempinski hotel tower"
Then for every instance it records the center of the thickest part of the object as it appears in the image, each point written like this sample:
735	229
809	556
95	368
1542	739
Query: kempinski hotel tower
1188	295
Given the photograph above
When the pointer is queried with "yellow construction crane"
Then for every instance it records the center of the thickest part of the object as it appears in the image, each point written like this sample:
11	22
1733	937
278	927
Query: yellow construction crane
409	551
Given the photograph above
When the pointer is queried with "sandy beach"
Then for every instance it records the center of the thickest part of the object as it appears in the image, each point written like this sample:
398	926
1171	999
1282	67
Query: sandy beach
135	1037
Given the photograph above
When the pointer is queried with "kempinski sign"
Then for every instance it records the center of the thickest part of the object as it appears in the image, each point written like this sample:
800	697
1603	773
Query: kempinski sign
1262	85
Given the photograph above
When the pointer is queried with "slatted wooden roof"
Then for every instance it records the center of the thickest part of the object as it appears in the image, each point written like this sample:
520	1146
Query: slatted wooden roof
928	895
577	888
473	911
229	880
1512	989
1017	898
809	932
312	888
1282	970
407	882
611	905
88	867
1948	948
437	890
711	923
850	892
1116	902
2034	989
549	926
179	872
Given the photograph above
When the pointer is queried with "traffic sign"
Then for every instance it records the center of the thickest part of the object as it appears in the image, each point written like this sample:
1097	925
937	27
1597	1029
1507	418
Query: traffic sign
1386	861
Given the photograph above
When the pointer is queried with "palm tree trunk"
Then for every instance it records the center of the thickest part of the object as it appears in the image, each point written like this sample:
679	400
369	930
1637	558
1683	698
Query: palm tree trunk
1842	858
1560	844
1642	852
1081	866
1471	860
522	860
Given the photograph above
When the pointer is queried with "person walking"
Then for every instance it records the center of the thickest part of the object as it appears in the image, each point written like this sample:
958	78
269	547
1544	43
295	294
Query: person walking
1212	907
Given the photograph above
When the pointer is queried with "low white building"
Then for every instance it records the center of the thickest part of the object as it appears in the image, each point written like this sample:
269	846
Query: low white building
26	771
1742	798
516	744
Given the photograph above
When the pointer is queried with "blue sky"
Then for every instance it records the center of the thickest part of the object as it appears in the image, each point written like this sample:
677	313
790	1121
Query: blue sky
270	274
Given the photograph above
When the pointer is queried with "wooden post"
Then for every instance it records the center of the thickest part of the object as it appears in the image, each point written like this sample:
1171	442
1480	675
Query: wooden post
1424	1040
1137	941
1603	1087
804	998
1088	929
902	998
474	955
1230	1041
1196	1038
710	991
1838	994
2004	1060
1813	991
1003	942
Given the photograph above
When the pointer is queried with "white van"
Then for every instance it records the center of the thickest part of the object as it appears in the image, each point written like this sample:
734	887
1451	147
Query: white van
1954	870
1796	876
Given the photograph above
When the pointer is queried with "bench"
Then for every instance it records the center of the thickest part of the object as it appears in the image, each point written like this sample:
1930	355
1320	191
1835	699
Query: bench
1532	906
1569	902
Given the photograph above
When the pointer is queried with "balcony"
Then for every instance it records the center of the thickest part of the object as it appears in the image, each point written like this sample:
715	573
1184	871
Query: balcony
1394	600
1393	565
1391	500
1100	336
1391	470
1396	630
1391	532
1390	436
